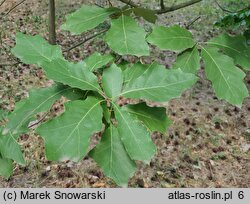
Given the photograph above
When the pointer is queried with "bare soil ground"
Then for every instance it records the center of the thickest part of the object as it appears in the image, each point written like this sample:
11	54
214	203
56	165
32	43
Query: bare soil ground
206	146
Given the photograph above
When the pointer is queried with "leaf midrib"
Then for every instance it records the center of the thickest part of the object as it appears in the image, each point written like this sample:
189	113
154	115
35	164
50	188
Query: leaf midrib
73	77
124	33
21	161
89	19
111	149
145	116
168	38
189	57
220	71
153	87
77	126
41	54
222	45
134	136
133	73
30	113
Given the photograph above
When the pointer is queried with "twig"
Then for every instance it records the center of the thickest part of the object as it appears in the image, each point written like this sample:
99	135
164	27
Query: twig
85	40
99	5
166	9
15	7
118	59
2	2
192	22
228	11
177	7
110	3
36	123
247	8
223	9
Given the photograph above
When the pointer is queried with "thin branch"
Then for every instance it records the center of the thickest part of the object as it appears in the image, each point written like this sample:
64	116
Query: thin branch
85	40
110	3
2	2
14	7
166	9
244	9
223	9
228	11
99	5
192	22
118	59
39	121
177	7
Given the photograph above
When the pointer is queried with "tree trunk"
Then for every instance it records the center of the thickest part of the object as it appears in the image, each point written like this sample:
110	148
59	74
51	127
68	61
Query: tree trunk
162	4
52	22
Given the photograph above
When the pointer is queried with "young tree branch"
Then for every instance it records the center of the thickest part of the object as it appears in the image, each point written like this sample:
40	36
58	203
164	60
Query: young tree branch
165	9
228	11
15	7
39	121
52	22
2	2
85	40
177	7
192	22
223	9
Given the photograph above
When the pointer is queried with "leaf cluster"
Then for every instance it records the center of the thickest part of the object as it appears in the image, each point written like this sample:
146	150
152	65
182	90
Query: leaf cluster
95	87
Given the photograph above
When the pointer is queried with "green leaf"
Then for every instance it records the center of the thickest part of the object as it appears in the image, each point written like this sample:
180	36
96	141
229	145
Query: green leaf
188	61
112	157
126	38
112	81
74	75
6	167
134	135
35	50
131	73
159	84
67	136
86	18
154	118
96	61
227	79
172	38
235	47
39	101
10	149
147	14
